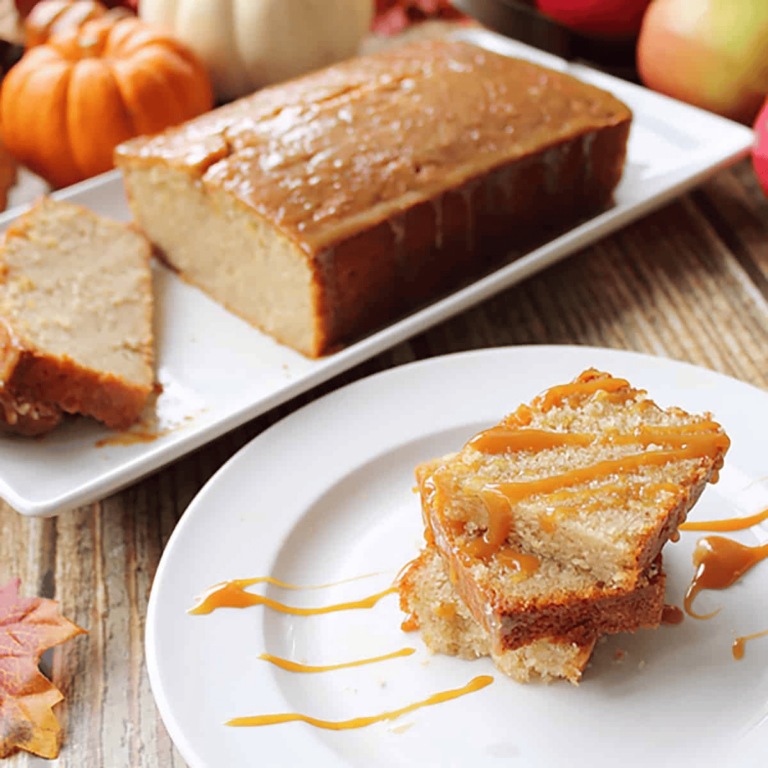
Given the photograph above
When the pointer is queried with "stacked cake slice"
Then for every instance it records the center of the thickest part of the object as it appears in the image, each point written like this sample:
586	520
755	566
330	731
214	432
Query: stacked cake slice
545	532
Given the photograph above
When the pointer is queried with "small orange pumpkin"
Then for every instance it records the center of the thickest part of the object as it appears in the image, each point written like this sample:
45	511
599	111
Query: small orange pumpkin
69	102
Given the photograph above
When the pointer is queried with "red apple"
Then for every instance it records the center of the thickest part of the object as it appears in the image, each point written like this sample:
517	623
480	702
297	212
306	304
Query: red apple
711	53
760	149
603	18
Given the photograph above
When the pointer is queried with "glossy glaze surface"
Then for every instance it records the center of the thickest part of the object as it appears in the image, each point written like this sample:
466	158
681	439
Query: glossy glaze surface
370	136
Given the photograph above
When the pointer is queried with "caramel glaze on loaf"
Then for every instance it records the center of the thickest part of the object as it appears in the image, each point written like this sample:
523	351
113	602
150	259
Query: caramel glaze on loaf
321	208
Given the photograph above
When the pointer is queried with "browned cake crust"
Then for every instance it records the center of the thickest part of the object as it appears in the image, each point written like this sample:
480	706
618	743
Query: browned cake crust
25	417
386	179
37	377
75	338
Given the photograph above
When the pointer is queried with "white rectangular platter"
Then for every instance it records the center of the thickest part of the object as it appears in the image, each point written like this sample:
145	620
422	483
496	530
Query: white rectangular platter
217	372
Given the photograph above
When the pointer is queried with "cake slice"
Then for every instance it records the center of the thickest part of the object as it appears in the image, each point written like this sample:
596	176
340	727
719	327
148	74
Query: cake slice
521	597
75	315
591	474
447	627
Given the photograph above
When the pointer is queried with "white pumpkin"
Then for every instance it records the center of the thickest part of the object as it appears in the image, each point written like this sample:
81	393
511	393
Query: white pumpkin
247	44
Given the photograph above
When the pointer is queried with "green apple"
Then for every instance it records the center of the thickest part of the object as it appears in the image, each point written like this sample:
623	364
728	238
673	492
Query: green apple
711	53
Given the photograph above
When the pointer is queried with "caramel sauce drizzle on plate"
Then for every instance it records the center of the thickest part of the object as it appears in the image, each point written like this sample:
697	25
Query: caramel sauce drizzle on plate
233	594
730	524
293	666
476	684
720	562
738	644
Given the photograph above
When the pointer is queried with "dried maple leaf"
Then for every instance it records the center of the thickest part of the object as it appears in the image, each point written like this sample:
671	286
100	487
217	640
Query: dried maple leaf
29	626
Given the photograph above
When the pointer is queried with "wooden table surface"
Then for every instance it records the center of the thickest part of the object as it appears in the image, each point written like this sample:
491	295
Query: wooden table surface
689	282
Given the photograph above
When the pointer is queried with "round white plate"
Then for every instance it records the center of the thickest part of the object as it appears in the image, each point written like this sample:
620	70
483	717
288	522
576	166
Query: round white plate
327	494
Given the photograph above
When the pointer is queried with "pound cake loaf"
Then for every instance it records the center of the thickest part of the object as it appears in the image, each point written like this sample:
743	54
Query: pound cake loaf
320	208
447	627
591	474
75	316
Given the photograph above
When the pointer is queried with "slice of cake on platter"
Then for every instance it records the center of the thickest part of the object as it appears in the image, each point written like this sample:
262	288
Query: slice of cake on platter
75	317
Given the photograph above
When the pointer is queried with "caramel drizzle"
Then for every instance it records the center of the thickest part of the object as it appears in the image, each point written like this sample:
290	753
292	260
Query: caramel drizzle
738	644
232	594
505	440
521	565
502	439
293	666
555	395
727	525
694	449
720	562
499	526
133	438
476	684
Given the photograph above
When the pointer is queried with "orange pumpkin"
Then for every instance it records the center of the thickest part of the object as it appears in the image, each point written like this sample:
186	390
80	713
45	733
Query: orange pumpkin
68	103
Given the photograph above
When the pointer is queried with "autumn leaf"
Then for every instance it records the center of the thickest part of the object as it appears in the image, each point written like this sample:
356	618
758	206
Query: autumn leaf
29	626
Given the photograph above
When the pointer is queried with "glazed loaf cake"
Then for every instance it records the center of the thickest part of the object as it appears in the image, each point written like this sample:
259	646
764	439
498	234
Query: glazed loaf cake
447	627
75	318
321	208
593	474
